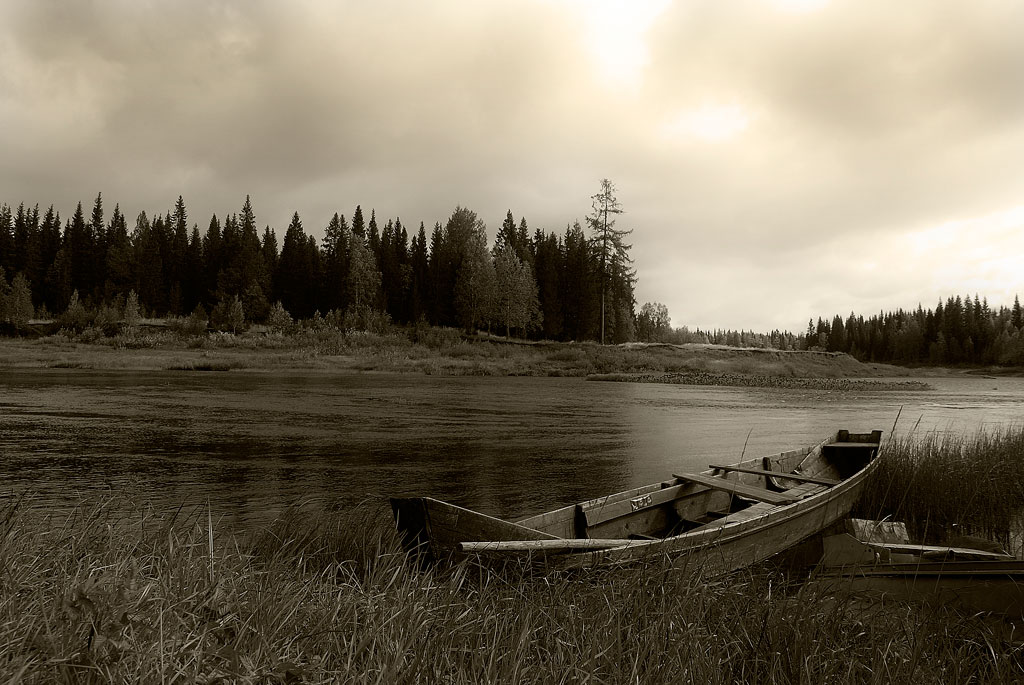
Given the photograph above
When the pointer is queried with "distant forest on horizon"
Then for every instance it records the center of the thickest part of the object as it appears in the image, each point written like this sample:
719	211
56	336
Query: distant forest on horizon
536	284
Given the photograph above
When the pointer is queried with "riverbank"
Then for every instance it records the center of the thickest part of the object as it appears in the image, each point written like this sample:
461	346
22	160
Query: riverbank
150	597
760	381
428	351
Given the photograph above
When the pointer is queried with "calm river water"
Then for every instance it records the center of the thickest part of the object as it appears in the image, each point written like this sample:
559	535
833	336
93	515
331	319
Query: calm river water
253	443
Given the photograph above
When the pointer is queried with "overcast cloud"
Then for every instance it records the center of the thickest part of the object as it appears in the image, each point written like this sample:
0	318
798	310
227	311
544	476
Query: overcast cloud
777	159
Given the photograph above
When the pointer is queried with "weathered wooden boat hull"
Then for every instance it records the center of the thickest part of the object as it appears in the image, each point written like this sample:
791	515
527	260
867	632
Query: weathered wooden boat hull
995	587
716	521
735	544
434	528
889	567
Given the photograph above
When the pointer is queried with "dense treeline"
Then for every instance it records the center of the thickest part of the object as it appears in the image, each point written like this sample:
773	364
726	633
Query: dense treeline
958	331
535	283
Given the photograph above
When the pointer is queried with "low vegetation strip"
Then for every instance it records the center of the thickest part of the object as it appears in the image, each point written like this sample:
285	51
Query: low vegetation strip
761	381
328	597
323	345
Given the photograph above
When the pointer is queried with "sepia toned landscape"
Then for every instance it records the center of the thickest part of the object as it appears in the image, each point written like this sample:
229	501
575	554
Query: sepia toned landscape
529	341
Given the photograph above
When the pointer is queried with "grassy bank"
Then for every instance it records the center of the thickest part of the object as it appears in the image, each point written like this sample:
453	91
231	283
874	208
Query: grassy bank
943	485
426	350
117	592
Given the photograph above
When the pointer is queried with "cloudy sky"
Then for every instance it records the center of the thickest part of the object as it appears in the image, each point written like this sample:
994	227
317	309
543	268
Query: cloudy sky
777	159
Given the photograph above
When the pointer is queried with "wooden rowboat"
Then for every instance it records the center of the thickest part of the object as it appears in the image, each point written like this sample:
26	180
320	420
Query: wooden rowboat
720	519
891	568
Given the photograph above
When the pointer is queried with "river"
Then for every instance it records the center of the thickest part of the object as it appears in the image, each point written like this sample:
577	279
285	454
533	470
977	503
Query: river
249	444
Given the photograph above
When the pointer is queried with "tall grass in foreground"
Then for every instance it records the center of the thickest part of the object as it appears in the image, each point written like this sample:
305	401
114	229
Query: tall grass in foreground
328	597
943	485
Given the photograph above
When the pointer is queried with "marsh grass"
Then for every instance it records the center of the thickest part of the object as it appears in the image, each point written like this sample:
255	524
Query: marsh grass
116	592
945	485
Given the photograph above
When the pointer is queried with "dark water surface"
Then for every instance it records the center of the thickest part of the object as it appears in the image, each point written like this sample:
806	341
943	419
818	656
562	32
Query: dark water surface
253	443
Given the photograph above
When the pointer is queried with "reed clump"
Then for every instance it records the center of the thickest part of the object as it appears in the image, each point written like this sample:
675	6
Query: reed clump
116	593
944	486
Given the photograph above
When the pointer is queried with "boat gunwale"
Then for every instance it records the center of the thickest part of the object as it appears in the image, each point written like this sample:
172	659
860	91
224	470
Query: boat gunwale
729	532
716	533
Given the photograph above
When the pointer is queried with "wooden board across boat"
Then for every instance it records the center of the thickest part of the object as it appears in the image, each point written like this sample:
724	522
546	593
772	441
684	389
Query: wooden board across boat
721	519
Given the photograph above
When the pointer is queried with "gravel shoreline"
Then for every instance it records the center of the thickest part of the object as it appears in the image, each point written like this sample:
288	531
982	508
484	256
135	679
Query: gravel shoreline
755	381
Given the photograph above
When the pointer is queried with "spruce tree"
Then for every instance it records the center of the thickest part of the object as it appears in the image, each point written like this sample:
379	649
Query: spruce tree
21	240
358	227
548	263
213	262
420	264
437	306
97	250
174	260
6	238
120	262
34	266
335	248
294	284
49	245
507	236
78	246
580	287
149	273
194	274
268	248
373	234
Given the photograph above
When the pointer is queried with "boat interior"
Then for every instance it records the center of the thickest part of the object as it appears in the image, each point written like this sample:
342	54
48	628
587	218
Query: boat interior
720	495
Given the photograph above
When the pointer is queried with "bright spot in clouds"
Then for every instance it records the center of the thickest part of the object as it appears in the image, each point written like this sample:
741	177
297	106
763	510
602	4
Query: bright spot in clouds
993	231
616	35
710	123
799	6
981	254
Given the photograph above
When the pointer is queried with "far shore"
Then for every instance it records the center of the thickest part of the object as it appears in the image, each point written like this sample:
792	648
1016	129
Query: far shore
446	352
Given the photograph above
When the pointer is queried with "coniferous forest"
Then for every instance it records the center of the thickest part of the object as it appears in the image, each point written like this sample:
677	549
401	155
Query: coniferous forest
529	283
958	331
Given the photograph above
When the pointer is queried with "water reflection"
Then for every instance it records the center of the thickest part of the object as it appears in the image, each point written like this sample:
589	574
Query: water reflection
250	444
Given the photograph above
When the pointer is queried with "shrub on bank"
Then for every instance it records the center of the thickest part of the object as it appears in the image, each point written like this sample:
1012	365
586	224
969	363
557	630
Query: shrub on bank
434	337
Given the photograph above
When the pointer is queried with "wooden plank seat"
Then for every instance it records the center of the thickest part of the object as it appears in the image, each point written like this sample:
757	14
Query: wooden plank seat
731	486
761	508
778	474
599	511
